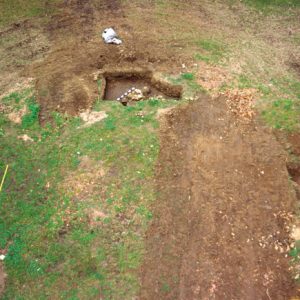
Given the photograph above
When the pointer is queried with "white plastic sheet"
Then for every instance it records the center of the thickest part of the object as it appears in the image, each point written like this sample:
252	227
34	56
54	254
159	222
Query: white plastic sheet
110	37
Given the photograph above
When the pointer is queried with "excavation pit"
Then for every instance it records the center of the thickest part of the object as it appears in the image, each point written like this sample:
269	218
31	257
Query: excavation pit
116	85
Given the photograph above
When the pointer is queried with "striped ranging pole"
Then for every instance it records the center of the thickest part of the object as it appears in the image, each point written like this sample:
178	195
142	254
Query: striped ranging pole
126	93
3	178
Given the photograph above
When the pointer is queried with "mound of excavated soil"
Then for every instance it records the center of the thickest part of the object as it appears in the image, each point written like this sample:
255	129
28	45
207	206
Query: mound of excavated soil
65	77
221	225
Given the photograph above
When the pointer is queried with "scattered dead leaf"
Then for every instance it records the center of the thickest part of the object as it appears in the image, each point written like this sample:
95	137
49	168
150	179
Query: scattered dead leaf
95	217
212	77
241	102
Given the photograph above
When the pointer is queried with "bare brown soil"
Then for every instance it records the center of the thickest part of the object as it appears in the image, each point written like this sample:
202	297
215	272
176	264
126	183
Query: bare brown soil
223	208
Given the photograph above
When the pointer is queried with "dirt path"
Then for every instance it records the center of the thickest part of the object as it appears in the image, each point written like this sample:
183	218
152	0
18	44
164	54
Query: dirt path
218	182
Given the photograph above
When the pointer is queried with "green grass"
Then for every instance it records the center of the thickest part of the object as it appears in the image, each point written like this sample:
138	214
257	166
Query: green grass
283	114
281	98
188	81
53	251
188	76
263	4
16	100
210	51
295	259
16	10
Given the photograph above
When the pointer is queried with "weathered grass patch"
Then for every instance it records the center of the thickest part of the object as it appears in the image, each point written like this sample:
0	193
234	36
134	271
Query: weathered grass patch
210	51
16	10
188	81
268	4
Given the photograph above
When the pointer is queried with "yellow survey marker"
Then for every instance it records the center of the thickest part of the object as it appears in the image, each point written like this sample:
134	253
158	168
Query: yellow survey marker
3	178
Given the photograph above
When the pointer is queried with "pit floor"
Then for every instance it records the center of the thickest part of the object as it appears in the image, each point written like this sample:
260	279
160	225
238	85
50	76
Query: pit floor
116	87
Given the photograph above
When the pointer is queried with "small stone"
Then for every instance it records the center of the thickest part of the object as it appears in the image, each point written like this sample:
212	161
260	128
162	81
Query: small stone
2	257
146	90
25	138
136	95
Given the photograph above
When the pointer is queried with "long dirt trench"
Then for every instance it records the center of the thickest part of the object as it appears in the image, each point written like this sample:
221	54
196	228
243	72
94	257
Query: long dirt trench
223	205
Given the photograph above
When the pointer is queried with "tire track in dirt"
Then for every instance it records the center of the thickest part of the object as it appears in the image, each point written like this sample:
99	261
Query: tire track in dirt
222	186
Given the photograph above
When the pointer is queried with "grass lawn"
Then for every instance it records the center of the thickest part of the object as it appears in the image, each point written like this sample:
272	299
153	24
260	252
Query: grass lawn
56	247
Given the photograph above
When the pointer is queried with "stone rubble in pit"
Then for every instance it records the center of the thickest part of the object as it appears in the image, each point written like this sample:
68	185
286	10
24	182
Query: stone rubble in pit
134	94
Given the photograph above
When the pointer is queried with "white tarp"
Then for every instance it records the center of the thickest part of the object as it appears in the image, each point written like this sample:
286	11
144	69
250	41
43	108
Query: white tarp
110	37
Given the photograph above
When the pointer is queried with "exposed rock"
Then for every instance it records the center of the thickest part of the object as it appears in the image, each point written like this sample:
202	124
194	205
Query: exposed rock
295	234
146	90
91	117
135	95
25	138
